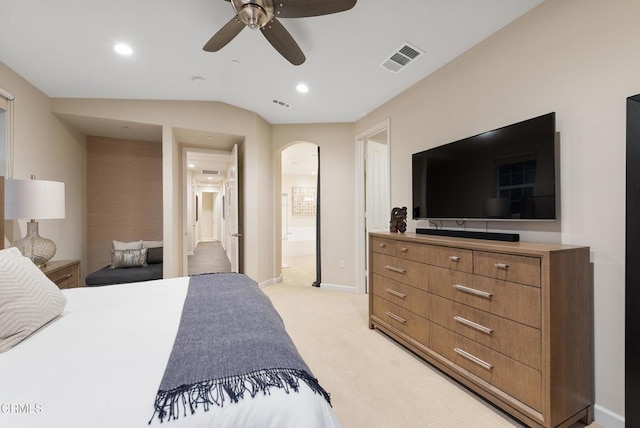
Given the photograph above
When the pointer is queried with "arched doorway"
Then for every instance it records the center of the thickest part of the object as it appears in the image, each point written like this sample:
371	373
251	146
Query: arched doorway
299	185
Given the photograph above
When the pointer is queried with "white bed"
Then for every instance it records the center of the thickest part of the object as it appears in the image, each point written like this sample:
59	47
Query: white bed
101	362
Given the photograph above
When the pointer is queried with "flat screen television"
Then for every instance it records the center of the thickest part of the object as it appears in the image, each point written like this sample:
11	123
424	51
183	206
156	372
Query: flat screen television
504	174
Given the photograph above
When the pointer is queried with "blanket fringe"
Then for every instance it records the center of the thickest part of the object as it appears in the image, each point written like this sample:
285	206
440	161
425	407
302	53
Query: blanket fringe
170	404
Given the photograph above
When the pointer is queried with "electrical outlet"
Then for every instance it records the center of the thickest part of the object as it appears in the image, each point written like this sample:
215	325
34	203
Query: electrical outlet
341	264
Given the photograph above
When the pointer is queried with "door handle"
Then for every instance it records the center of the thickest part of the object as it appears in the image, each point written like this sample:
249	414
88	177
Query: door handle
236	235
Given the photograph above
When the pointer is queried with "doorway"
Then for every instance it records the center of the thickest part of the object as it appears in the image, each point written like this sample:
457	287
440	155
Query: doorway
300	210
208	244
373	193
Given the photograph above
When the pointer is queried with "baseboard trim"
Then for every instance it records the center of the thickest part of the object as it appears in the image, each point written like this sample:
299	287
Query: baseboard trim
337	287
607	418
270	282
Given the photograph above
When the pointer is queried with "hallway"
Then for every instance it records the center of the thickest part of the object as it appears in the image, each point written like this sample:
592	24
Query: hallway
208	257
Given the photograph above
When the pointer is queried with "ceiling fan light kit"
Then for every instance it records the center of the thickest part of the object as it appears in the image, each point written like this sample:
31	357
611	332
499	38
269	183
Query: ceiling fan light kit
254	14
258	13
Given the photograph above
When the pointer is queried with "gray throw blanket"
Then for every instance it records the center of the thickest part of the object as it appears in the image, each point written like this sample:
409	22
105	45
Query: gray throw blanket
230	342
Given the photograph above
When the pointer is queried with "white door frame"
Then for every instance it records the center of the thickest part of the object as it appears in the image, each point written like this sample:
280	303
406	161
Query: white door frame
361	238
188	194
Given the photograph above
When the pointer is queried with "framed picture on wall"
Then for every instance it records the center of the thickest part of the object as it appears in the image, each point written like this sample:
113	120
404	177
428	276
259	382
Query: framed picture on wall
304	201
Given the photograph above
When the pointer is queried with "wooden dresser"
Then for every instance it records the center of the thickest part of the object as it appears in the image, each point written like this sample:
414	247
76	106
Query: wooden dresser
511	321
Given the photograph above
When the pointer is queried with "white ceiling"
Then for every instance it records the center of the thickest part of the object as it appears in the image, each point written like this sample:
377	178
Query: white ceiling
65	48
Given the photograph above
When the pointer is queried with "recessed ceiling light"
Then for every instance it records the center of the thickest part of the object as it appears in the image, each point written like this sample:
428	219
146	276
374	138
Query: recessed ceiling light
191	165
197	79
123	49
302	88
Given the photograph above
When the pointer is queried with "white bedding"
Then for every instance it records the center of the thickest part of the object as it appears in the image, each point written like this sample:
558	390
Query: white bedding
100	365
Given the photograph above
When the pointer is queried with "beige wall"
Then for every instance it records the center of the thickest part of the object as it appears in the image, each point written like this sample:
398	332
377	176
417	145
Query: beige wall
124	195
337	194
577	58
44	146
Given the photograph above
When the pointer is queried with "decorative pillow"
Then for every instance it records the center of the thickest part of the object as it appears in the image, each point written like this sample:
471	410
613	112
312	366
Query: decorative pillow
28	299
151	244
119	245
11	252
154	255
128	258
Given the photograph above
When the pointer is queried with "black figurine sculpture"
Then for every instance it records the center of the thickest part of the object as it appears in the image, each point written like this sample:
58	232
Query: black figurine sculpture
398	223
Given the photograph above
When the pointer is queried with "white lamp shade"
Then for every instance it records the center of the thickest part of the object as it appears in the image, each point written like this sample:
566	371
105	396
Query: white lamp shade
33	199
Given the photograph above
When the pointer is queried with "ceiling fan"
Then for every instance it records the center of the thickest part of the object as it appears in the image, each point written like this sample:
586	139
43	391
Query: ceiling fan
261	14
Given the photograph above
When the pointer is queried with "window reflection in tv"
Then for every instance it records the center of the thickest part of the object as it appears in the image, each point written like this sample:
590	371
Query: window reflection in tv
504	174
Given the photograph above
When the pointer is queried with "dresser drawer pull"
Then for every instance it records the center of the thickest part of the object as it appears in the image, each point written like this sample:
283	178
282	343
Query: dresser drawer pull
473	325
473	358
395	293
473	291
404	249
502	266
63	279
383	245
395	269
396	317
454	258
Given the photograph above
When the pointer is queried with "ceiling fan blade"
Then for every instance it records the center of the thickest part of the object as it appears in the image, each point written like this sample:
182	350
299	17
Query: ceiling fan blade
224	35
284	43
305	8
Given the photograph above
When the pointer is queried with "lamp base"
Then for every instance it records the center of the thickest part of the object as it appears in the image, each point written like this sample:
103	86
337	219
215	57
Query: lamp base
40	250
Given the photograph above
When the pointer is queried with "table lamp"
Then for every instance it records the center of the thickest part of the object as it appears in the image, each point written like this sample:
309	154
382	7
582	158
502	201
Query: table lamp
34	199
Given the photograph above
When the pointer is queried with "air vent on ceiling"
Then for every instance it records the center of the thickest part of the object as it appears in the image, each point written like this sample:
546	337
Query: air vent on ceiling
401	58
210	172
282	103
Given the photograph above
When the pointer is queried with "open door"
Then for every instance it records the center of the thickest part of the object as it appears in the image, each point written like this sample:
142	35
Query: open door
231	212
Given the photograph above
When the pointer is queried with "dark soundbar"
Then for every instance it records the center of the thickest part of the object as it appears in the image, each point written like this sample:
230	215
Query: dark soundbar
492	236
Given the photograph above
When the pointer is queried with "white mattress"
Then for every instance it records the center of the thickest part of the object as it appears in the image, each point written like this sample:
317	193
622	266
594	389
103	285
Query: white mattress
101	363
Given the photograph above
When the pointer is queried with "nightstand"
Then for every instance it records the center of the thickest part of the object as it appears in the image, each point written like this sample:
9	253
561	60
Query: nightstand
63	273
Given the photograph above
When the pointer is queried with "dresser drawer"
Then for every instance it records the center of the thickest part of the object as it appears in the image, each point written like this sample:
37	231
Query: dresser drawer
405	271
403	295
383	246
516	379
508	267
64	277
402	249
518	341
517	302
450	258
406	321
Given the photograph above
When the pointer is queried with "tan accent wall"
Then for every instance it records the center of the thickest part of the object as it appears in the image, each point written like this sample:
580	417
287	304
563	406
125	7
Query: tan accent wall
124	195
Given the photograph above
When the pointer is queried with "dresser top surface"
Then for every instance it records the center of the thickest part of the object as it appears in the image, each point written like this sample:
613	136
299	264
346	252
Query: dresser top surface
535	248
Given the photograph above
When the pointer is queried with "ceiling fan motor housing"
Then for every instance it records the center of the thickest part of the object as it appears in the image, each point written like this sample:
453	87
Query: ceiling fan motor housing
254	13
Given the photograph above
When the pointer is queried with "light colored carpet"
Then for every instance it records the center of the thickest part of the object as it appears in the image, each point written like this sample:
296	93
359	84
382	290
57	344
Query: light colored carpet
373	381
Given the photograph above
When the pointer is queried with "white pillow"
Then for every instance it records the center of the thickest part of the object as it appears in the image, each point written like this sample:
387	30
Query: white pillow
10	252
28	299
119	245
151	244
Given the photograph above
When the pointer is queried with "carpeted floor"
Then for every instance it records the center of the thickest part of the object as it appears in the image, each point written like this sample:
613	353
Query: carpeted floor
373	381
